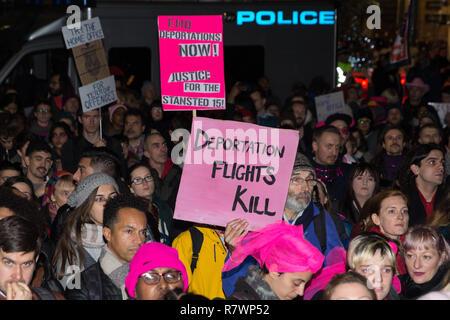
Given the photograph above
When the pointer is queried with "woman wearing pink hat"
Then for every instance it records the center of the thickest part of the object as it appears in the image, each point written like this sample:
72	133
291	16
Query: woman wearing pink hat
154	271
288	262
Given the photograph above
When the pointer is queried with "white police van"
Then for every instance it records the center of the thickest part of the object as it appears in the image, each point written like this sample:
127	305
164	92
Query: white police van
287	42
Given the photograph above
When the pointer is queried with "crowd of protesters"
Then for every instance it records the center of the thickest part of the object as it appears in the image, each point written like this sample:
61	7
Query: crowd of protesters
86	210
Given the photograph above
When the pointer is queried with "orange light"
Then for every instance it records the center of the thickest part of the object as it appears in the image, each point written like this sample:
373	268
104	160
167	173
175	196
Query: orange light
365	83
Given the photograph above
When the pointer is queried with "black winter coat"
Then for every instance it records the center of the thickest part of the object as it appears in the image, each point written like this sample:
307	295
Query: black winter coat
95	285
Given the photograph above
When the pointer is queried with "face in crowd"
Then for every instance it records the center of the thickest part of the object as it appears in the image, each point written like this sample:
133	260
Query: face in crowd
287	286
326	148
343	129
431	169
423	262
104	193
84	169
90	121
16	266
379	271
142	183
39	163
299	110
154	284
59	137
133	127
300	190
363	185
43	113
156	149
393	217
127	234
393	142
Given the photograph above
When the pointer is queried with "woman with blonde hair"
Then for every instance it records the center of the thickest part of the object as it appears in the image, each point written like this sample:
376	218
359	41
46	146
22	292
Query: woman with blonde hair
427	257
373	256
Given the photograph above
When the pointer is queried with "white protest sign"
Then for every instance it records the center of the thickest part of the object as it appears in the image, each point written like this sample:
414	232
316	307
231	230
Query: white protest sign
329	104
90	30
98	94
442	109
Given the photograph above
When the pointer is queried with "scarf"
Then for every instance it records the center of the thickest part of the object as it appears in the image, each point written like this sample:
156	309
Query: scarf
91	236
114	269
258	284
327	174
412	290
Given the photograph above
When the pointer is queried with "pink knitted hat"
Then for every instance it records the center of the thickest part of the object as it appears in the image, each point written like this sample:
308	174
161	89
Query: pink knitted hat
280	246
150	256
114	108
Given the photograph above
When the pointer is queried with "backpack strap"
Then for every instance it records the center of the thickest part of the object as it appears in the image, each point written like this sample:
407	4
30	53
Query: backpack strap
320	228
43	294
197	241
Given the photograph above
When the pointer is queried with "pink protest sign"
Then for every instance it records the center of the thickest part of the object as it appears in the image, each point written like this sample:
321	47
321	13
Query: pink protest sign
191	62
235	170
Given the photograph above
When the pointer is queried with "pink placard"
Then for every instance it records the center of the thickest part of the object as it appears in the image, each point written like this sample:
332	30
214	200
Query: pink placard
235	170
191	62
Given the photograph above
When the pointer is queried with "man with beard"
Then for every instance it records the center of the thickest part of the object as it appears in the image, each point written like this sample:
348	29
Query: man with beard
59	89
38	161
298	108
301	209
390	154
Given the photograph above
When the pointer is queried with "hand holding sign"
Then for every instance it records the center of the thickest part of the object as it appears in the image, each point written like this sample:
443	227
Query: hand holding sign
235	228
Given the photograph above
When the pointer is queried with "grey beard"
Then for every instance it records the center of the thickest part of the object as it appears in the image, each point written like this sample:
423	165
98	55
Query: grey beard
293	204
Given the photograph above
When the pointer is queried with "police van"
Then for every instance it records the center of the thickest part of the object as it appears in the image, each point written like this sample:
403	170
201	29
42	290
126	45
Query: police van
287	42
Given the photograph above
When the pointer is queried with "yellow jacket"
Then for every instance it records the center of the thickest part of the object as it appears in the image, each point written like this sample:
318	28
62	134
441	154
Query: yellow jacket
207	278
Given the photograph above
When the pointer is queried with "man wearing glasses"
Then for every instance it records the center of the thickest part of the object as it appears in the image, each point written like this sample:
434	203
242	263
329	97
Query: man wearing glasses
125	231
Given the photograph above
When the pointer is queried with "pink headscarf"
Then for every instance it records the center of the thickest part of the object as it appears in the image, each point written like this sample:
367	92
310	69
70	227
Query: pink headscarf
280	246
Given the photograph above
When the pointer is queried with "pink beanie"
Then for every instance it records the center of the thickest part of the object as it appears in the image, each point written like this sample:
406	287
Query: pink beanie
150	256
281	247
114	108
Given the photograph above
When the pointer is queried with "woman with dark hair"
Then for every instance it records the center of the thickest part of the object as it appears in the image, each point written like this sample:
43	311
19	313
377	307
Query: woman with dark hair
41	119
59	134
81	240
23	185
363	183
144	183
11	103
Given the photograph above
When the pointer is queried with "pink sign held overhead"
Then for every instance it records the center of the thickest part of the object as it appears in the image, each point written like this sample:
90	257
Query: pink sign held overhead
191	62
235	170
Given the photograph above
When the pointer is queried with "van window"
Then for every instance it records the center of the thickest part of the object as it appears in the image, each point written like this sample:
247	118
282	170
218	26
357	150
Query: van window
243	63
134	62
30	76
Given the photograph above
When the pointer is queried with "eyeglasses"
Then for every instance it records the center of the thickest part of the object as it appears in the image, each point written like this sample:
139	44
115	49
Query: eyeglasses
299	180
43	110
364	120
140	180
152	278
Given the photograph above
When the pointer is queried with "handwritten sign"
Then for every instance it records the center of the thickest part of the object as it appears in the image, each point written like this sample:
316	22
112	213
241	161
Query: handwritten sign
89	31
329	104
191	60
235	170
442	109
98	94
